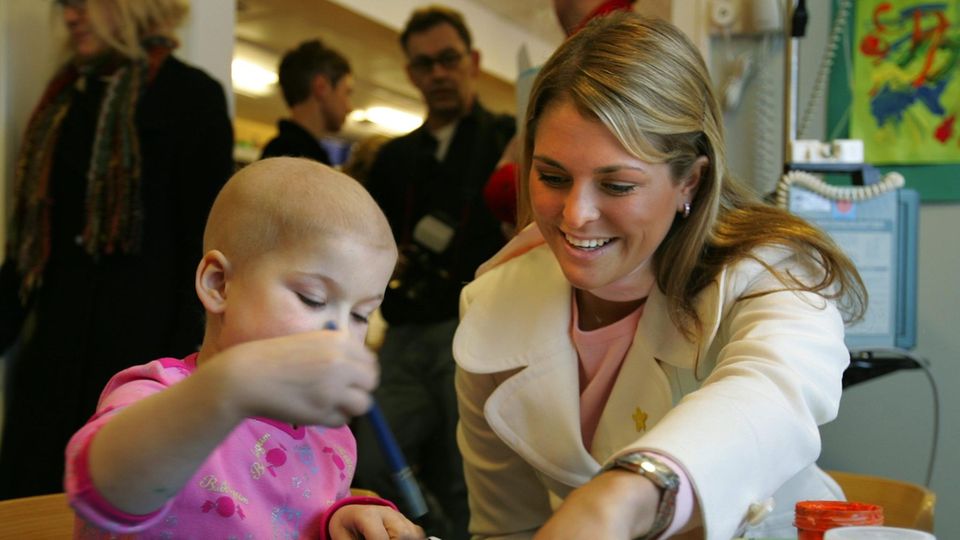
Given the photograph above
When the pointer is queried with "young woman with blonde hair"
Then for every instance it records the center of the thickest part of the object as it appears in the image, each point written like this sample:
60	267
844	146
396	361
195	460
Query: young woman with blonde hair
660	366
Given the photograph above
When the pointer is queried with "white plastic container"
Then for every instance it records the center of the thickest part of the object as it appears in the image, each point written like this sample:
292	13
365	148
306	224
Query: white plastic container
876	533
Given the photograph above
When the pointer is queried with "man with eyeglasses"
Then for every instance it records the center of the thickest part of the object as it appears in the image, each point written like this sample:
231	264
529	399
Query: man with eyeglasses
429	183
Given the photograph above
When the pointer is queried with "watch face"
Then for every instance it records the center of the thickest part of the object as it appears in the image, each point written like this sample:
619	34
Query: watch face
661	475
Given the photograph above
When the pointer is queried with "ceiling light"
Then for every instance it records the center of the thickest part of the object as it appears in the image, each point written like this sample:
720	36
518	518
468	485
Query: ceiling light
254	69
252	79
393	121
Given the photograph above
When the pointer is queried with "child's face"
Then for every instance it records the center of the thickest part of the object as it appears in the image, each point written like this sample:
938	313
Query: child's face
305	286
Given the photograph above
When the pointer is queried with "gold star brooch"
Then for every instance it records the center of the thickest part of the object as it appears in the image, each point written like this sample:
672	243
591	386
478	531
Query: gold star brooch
640	420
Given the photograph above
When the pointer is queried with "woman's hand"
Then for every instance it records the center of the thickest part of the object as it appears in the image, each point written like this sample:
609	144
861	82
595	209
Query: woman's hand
371	522
616	505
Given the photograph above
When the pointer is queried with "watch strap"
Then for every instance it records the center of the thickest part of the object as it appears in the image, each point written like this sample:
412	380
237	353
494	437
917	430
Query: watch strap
661	475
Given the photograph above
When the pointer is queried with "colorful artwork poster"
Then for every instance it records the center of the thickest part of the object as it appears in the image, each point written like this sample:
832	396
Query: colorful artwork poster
906	83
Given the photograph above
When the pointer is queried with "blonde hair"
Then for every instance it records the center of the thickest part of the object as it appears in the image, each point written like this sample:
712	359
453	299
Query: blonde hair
123	24
273	203
362	156
646	82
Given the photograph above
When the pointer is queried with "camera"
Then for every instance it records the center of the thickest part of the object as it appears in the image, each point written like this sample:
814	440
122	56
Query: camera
422	289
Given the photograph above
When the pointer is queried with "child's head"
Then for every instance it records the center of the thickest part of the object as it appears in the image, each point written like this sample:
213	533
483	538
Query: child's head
292	245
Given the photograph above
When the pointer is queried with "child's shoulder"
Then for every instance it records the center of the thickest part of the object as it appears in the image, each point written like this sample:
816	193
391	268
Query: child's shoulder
153	375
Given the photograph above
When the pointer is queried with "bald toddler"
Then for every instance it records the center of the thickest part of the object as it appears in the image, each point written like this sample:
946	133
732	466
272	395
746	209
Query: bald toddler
248	436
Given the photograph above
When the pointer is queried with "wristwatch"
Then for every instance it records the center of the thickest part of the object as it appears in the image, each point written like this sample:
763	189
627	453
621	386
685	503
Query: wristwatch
661	475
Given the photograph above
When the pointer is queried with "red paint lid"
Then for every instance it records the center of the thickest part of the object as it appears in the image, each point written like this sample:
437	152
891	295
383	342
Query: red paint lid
824	515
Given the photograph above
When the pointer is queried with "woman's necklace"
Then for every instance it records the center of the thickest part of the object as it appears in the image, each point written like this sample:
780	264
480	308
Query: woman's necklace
595	312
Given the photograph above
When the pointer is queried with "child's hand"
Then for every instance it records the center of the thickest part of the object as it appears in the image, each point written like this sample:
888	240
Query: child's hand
311	378
371	522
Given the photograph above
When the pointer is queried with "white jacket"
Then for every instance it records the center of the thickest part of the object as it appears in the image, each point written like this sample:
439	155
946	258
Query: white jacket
739	410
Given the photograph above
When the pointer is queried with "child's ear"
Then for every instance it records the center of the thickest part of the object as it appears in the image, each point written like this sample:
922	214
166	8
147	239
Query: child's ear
211	281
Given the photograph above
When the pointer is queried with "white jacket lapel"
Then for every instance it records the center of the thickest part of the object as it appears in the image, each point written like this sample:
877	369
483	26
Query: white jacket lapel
537	413
537	410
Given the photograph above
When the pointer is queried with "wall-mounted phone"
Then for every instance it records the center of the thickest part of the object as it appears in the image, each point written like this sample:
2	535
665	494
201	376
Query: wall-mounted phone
749	49
746	16
747	39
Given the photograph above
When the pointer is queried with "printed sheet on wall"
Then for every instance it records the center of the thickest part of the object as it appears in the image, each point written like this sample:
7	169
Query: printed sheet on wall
906	81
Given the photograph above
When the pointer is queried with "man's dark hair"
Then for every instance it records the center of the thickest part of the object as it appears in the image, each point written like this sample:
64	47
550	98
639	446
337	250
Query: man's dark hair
427	17
299	66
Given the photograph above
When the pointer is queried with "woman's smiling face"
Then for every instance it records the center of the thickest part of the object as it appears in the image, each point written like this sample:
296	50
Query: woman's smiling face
602	211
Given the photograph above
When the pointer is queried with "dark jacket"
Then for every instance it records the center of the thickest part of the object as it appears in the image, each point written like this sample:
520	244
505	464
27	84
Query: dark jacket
92	317
408	183
294	140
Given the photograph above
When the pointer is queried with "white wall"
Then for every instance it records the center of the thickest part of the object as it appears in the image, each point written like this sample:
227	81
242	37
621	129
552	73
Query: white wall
25	27
206	40
885	425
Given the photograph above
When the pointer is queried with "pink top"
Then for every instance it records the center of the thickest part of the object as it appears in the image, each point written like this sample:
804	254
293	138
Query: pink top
601	353
267	479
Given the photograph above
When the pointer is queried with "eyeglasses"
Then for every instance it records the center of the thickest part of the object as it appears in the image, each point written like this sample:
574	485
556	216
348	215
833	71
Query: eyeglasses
448	59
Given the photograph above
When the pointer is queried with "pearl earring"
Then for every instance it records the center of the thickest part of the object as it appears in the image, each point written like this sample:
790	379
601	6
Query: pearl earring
686	209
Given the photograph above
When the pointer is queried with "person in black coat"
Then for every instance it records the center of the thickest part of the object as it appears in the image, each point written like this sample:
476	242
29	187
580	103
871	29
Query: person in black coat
317	84
118	167
429	184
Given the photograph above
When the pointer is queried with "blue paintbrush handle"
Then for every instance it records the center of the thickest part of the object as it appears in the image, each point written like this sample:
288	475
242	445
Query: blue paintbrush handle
402	475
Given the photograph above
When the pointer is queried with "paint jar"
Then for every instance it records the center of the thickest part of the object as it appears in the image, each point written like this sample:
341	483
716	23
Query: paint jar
813	518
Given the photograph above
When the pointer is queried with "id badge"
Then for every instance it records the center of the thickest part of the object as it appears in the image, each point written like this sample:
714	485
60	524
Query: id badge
433	233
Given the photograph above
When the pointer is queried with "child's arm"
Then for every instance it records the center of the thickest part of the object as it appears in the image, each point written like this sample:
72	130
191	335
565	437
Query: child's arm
313	378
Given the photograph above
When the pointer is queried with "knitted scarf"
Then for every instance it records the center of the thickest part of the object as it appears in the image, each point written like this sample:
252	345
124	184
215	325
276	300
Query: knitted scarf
113	206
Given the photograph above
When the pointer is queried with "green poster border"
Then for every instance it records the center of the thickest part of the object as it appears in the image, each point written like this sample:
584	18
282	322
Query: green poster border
934	183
